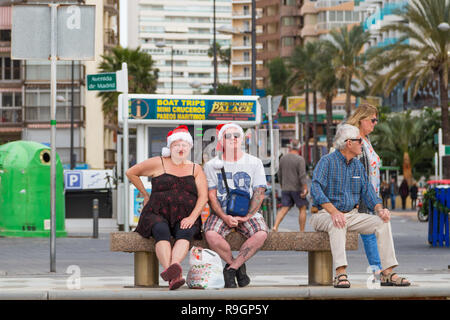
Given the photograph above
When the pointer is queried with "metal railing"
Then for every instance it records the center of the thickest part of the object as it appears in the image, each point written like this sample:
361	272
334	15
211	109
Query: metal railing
11	115
42	113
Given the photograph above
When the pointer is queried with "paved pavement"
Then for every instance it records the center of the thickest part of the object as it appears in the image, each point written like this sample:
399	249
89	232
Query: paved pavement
24	269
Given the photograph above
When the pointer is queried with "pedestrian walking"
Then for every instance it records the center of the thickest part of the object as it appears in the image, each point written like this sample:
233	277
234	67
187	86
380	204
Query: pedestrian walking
413	193
292	177
404	192
339	184
230	171
365	119
179	194
393	192
384	190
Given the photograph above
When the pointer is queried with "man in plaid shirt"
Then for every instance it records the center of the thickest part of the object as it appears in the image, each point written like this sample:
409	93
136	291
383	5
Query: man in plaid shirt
339	183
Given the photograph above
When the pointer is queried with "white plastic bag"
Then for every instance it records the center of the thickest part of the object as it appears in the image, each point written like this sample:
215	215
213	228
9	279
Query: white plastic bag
205	271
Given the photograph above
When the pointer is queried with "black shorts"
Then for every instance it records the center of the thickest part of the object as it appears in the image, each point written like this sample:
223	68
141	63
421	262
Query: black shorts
288	198
162	231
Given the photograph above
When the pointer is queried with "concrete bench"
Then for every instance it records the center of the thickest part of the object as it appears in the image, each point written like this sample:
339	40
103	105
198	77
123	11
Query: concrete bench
317	244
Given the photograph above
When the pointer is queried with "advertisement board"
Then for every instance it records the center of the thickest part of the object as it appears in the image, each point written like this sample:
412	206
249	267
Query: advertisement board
169	109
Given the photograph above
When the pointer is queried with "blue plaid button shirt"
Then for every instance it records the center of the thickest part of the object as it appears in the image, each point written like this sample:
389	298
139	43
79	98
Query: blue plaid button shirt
342	184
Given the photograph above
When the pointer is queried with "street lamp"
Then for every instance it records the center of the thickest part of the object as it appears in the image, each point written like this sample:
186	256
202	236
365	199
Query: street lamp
214	48
444	26
196	85
162	45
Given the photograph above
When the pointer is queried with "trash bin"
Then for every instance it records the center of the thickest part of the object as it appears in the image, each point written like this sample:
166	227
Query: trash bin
25	191
438	224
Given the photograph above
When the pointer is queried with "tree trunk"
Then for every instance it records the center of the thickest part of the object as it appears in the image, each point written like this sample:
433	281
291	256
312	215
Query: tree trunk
348	105
443	76
329	109
407	170
306	154
316	150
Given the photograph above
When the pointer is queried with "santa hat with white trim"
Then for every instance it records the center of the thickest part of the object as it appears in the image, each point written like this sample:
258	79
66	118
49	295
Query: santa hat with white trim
220	130
179	133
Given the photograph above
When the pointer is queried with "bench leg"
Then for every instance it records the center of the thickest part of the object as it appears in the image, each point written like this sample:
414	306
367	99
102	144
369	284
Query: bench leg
146	269
320	268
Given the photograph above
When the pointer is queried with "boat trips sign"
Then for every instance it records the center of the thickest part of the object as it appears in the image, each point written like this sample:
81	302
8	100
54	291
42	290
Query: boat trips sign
165	109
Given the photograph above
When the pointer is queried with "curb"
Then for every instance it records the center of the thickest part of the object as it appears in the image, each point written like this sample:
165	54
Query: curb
251	293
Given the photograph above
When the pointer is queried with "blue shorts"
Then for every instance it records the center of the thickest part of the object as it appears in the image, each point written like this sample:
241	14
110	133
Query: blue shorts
288	198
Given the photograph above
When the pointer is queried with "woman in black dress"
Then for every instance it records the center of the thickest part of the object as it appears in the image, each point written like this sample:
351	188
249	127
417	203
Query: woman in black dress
179	194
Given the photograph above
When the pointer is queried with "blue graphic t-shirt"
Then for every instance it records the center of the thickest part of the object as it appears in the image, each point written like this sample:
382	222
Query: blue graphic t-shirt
246	174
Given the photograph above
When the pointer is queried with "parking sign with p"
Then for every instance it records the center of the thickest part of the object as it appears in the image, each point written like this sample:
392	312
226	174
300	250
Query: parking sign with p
73	180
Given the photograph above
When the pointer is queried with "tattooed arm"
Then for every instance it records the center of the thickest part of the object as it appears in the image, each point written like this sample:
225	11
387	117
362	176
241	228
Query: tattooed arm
255	204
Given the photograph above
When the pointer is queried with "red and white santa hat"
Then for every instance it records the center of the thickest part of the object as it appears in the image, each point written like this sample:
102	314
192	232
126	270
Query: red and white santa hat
179	133
220	130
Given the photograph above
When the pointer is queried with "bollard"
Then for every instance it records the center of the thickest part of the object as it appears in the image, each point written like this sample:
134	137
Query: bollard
95	218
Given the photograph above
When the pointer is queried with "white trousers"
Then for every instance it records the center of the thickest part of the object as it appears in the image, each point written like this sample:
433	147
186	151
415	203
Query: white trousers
361	223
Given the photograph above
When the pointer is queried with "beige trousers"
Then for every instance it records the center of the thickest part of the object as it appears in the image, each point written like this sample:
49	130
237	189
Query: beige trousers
361	223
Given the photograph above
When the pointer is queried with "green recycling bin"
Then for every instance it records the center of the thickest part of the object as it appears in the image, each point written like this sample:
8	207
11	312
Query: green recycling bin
25	191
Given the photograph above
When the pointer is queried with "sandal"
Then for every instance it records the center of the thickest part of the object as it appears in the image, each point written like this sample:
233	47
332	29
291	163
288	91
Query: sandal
339	279
172	272
386	281
176	283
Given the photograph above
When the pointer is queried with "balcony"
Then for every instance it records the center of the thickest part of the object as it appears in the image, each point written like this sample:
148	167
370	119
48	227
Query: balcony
246	15
268	19
11	116
268	37
110	38
289	11
42	114
41	73
111	6
331	3
290	31
268	55
327	26
241	76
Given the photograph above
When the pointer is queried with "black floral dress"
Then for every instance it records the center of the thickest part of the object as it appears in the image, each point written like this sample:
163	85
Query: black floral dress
172	199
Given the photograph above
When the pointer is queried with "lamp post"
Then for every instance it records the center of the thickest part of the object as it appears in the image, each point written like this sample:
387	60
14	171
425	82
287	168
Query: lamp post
162	45
214	48
253	47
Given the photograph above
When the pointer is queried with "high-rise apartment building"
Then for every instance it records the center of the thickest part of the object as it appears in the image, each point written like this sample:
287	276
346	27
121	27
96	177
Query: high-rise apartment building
321	16
281	25
241	46
178	34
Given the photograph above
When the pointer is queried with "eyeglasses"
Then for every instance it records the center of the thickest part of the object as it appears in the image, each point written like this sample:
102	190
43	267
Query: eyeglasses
356	140
230	135
374	120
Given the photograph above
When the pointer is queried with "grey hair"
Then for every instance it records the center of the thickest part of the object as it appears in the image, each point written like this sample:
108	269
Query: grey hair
344	132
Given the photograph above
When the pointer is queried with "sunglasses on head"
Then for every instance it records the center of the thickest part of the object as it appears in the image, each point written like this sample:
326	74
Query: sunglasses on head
356	140
230	135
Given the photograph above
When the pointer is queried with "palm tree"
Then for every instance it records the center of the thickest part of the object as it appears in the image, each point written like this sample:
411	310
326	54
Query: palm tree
405	140
223	54
327	85
420	56
305	66
346	47
142	76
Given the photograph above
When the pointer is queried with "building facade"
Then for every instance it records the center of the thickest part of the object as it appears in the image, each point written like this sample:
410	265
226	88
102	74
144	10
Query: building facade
25	96
241	46
178	35
281	25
